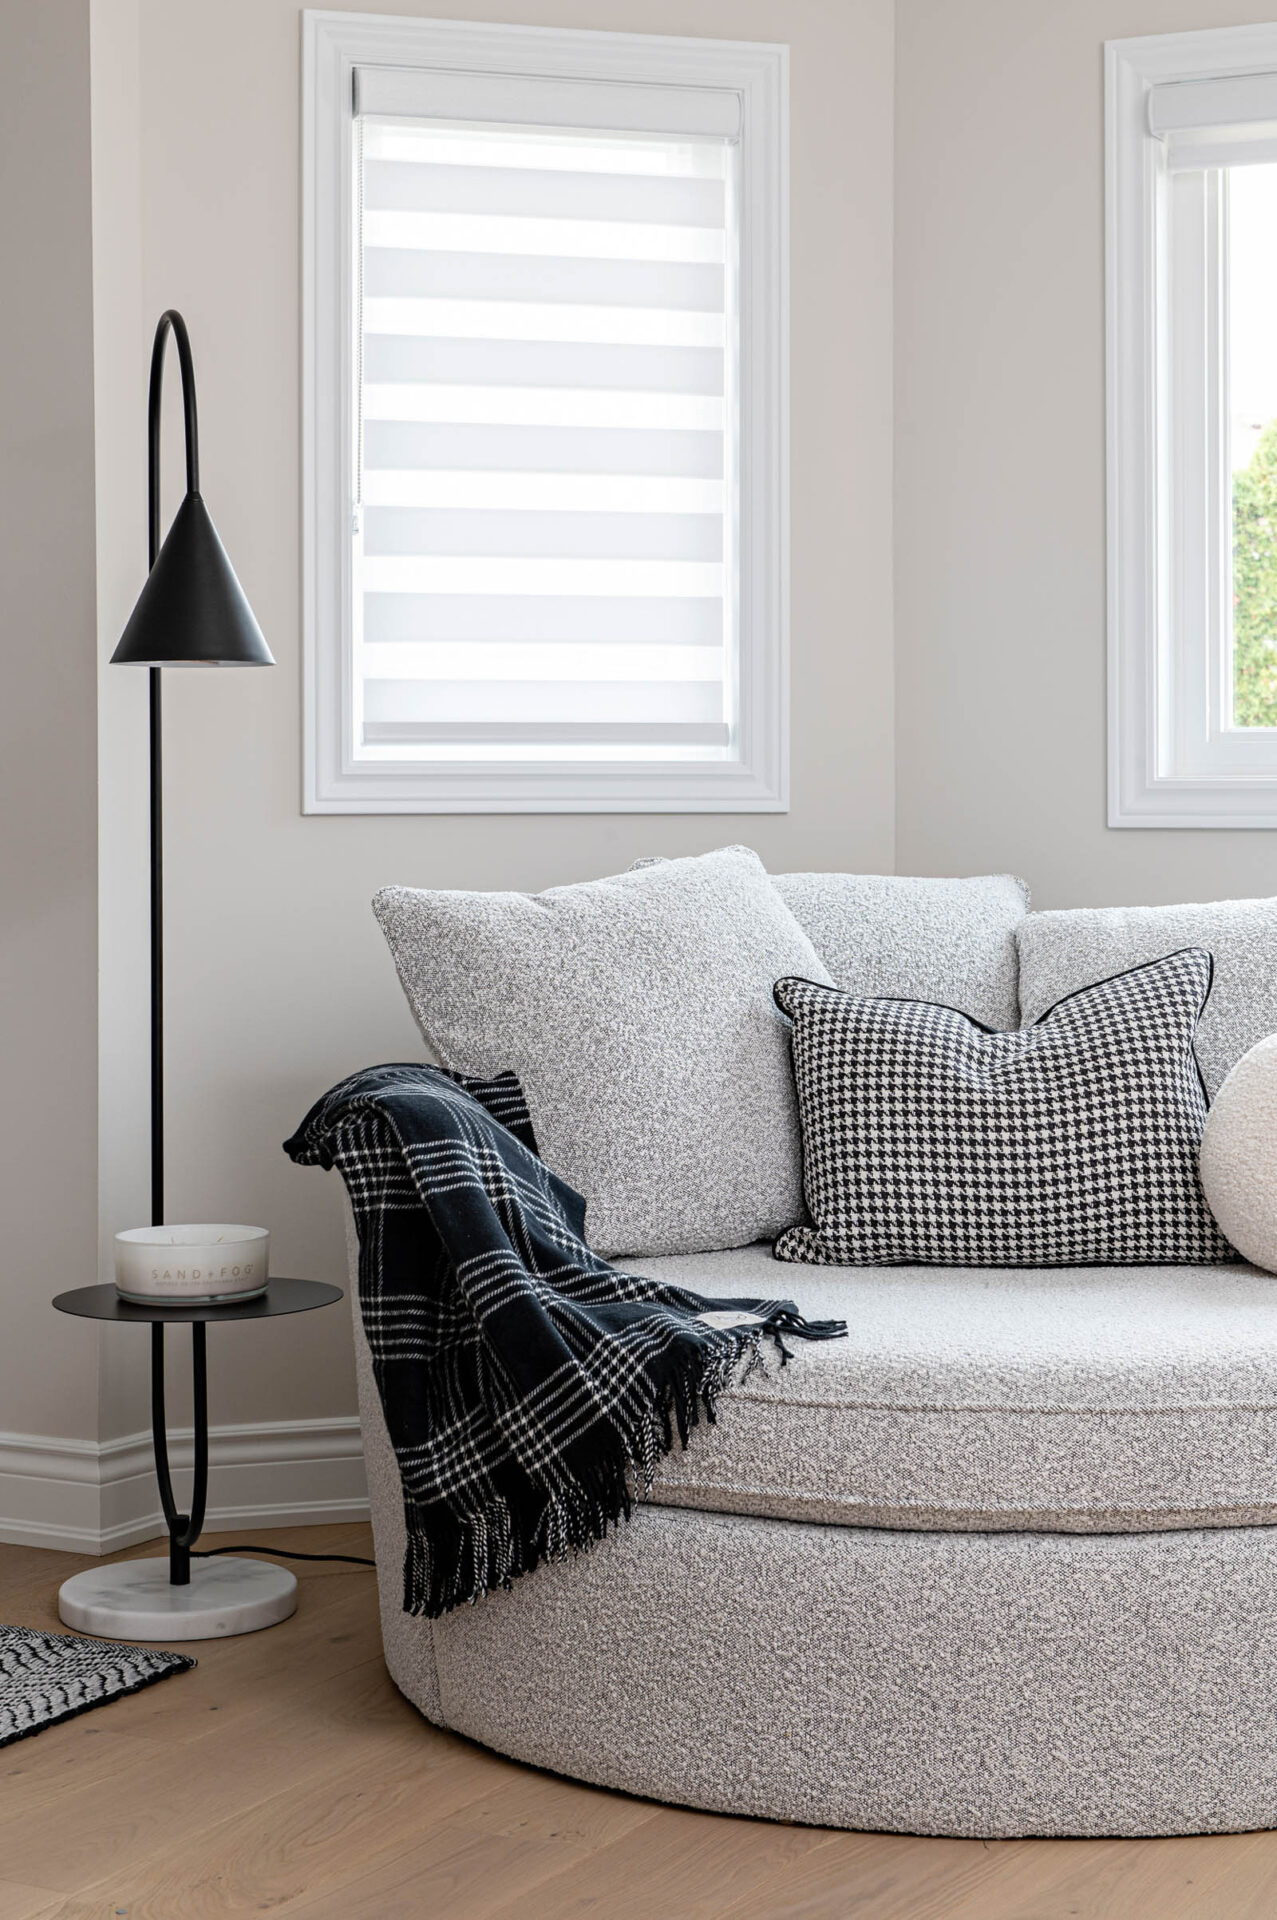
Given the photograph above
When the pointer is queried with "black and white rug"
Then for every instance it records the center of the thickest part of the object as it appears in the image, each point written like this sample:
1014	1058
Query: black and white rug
47	1677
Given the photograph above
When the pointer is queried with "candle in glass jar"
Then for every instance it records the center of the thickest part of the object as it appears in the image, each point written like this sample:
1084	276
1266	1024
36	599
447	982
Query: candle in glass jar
195	1265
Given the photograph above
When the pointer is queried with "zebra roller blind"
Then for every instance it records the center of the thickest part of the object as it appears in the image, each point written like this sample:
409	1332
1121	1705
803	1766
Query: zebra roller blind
546	491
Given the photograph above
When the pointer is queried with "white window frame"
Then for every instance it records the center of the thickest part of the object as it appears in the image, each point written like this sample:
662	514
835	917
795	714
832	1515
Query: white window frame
1175	760
757	779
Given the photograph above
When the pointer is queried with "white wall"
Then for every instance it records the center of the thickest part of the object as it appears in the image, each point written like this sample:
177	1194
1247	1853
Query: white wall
278	979
1000	647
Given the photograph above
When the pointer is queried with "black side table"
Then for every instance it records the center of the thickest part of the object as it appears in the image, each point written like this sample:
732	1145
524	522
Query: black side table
171	1599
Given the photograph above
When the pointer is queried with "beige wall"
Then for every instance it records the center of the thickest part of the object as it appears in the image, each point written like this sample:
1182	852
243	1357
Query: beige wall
48	760
279	981
120	352
1000	646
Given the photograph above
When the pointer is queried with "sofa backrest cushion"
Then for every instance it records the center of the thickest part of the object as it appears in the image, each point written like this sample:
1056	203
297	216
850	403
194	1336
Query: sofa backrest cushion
946	940
637	1012
1064	950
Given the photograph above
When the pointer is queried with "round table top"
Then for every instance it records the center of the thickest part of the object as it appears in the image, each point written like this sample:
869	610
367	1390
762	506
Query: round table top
281	1296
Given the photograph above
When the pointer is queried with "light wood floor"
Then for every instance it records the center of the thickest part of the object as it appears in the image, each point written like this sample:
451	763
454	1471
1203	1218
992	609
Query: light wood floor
286	1776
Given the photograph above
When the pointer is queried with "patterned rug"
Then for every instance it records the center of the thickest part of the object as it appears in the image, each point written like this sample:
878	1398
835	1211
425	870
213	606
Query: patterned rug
47	1677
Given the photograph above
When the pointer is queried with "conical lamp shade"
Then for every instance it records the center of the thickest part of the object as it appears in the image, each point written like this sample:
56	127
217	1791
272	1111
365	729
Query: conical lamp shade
192	611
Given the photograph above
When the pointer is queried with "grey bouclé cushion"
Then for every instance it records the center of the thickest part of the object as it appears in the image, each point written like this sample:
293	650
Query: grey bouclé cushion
1062	951
637	1013
946	940
917	939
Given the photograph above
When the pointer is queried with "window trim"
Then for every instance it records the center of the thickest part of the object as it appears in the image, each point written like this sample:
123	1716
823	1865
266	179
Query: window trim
758	781
1145	730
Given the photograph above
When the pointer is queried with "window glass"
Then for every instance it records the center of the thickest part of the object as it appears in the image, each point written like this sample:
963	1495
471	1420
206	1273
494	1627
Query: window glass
1251	331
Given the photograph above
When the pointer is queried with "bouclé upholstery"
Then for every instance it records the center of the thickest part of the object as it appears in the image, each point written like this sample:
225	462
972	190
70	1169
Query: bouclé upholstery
1239	1155
1003	1562
1093	1399
946	940
637	1013
1062	951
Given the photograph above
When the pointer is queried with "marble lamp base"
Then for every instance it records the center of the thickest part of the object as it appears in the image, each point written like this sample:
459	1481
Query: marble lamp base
135	1599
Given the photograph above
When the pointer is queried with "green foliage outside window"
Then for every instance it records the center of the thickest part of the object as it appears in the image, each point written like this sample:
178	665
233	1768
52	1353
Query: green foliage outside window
1255	586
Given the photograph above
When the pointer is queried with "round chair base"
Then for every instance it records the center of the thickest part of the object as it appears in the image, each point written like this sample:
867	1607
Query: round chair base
983	1685
134	1600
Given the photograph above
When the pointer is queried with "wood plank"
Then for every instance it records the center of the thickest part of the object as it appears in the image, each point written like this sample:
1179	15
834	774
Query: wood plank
238	1864
23	1903
18	1565
875	1876
1246	1886
531	1804
361	1813
79	1753
231	1768
685	1865
1107	1880
455	1874
102	1827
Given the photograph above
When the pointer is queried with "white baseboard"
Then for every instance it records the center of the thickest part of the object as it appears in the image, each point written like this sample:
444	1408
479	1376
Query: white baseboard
91	1497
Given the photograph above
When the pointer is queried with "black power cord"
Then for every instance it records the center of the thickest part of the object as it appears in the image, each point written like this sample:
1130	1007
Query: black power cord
282	1553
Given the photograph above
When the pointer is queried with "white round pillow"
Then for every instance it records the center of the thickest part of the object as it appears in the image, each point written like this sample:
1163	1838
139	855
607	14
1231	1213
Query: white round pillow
1239	1155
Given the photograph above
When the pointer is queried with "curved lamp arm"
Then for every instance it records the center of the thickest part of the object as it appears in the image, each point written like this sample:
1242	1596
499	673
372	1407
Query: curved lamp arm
170	321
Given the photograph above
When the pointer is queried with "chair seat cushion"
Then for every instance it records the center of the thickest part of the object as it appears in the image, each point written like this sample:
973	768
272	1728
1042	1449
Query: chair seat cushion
1088	1400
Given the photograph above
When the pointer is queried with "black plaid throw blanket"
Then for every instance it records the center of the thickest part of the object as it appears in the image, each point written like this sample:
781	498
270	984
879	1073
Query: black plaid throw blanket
529	1388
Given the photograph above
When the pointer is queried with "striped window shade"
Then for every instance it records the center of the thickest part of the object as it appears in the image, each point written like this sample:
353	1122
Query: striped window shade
545	532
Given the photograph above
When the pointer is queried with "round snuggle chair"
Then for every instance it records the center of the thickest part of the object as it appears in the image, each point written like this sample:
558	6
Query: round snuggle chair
1002	1563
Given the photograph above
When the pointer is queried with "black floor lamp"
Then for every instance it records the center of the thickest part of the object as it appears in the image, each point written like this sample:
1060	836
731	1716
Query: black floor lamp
191	613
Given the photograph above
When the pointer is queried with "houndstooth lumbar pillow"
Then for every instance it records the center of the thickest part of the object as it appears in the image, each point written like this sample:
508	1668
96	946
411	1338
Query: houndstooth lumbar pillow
929	1139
